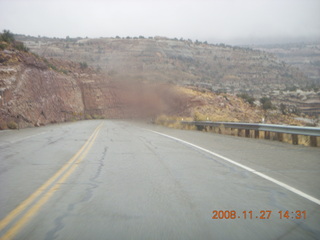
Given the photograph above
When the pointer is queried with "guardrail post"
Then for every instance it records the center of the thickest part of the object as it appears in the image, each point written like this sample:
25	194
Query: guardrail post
247	133
266	135
295	140
313	141
280	137
199	128
270	130
256	134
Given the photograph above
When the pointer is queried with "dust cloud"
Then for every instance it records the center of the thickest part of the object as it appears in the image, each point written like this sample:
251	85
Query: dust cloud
139	99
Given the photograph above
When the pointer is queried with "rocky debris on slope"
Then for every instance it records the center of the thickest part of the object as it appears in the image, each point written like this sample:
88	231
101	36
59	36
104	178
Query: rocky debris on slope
226	107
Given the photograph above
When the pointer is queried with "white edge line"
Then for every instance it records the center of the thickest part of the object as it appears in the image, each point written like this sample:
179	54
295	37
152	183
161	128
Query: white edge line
286	186
21	139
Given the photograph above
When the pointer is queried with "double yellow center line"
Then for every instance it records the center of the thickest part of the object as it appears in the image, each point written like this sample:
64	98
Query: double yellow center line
37	199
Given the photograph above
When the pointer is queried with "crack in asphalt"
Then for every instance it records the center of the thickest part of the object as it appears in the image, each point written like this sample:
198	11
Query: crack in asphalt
52	141
58	222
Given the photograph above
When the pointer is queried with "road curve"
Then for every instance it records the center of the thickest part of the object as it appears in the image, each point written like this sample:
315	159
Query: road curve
124	180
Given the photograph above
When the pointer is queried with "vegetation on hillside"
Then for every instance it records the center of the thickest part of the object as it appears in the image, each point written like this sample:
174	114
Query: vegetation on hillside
220	68
7	39
204	105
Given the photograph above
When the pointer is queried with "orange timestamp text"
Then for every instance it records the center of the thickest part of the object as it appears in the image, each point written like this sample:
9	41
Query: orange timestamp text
262	214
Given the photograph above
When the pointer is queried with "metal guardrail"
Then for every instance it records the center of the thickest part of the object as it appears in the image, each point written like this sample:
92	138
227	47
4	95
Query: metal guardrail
313	132
306	131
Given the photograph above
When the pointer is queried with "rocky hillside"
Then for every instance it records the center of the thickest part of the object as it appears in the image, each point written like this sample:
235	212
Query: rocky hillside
305	56
216	67
203	105
219	68
36	90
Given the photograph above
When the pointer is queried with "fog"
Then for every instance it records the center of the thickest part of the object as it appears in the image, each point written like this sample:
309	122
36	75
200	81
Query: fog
228	21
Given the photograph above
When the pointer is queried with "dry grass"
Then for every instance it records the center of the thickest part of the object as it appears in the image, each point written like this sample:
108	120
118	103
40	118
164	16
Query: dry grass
12	125
229	108
203	105
287	138
175	122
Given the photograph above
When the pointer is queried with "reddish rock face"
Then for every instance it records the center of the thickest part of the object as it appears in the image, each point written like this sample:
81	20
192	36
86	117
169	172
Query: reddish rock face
34	95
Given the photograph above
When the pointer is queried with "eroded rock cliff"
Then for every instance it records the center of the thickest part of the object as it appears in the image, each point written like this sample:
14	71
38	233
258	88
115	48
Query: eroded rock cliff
32	93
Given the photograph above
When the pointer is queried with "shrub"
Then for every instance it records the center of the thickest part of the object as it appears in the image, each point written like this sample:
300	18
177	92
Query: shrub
88	117
247	98
83	65
161	120
199	117
12	125
7	36
20	46
266	103
283	109
3	45
169	121
52	67
64	71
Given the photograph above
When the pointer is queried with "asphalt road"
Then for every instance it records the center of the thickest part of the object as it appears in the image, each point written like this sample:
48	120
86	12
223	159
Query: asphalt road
125	180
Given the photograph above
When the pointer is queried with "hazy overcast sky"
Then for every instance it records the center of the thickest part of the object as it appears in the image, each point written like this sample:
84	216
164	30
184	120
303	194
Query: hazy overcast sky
212	20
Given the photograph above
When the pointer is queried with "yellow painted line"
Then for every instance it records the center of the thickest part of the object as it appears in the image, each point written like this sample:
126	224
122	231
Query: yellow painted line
42	188
71	164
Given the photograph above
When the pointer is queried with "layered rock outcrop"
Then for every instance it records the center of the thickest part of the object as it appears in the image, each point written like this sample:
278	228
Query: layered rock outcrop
32	94
215	67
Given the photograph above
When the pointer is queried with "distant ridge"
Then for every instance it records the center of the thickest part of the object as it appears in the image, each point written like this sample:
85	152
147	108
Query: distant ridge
216	67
